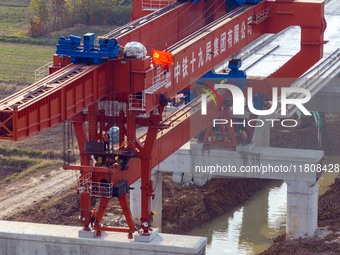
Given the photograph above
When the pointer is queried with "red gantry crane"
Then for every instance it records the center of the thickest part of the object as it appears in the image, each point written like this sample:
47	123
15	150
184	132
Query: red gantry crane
129	93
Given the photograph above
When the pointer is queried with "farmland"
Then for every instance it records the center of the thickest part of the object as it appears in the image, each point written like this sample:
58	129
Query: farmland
20	54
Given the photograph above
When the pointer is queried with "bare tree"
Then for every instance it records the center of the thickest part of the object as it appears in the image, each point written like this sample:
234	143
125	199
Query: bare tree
57	11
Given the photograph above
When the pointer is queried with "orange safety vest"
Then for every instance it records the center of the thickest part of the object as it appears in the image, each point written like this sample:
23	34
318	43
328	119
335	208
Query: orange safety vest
94	213
106	137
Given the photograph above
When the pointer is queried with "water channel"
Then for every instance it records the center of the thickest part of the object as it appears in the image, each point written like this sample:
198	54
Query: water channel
249	229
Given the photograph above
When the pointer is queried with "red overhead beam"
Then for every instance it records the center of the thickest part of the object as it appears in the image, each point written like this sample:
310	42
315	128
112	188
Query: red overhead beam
52	100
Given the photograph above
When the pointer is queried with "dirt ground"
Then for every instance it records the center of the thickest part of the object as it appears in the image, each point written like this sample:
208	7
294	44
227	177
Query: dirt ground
184	206
305	135
327	240
23	194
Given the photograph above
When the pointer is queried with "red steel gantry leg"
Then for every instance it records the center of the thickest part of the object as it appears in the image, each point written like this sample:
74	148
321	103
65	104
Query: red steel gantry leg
146	168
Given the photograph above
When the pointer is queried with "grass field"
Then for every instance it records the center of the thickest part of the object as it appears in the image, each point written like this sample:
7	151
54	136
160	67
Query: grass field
17	163
18	56
21	55
13	18
19	61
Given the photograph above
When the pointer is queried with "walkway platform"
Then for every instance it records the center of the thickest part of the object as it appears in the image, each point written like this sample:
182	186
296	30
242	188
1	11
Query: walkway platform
18	238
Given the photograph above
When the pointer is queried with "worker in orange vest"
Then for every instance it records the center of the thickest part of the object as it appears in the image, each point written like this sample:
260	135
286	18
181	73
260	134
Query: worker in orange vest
93	216
106	140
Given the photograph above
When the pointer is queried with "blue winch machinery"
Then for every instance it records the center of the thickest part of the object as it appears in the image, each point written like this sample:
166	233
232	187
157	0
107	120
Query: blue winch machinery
89	52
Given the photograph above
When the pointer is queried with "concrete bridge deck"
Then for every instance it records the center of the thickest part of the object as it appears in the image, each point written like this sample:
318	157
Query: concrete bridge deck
193	163
18	238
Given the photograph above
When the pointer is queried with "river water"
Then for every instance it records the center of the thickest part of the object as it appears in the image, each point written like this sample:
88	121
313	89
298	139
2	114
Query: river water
250	228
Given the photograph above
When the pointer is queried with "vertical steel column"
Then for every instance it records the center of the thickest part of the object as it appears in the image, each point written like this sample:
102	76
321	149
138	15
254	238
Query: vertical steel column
104	202
80	132
85	198
131	130
146	190
127	213
85	208
146	182
121	127
93	129
102	120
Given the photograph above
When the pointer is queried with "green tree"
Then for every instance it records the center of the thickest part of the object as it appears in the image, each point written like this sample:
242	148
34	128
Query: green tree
40	19
52	15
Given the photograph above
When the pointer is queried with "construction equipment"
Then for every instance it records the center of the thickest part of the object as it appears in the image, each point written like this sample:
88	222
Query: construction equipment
130	93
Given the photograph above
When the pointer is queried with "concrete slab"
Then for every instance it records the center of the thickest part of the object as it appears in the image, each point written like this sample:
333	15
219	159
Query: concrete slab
327	99
289	45
87	234
142	238
18	238
248	161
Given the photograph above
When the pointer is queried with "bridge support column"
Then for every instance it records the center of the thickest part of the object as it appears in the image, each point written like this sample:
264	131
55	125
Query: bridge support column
261	135
156	203
302	208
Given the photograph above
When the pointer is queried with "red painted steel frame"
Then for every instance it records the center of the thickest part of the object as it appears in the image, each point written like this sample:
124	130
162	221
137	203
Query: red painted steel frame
52	100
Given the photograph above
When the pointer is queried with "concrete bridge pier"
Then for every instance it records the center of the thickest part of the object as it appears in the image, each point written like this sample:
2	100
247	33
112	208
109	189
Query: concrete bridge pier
156	205
302	208
261	135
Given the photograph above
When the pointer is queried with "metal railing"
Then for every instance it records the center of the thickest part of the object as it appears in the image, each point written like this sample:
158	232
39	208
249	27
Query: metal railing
42	71
96	189
84	182
261	16
137	102
162	79
101	189
152	5
315	79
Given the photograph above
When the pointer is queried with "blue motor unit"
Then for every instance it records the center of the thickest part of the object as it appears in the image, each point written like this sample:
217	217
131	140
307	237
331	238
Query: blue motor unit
252	1
89	52
193	1
235	76
88	42
232	4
